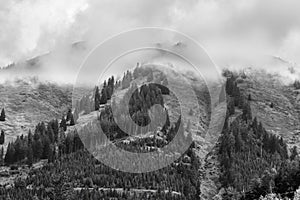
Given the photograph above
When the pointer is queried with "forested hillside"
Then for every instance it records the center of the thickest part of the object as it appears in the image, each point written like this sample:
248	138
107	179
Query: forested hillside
254	162
249	161
73	173
30	101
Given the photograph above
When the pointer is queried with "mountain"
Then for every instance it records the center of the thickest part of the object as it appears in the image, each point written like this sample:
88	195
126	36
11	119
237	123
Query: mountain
257	151
58	65
28	101
88	121
274	103
242	146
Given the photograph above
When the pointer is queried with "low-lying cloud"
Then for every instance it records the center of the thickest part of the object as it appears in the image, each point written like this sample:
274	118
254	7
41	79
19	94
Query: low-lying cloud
233	32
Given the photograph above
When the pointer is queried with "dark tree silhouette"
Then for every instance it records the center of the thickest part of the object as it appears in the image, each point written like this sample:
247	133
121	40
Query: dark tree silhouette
69	115
29	156
72	122
2	137
63	123
2	115
97	98
294	153
249	97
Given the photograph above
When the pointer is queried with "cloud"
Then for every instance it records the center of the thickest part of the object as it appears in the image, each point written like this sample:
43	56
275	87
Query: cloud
240	29
232	31
32	26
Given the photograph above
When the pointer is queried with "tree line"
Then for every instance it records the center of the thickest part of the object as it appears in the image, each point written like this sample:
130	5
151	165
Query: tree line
47	142
252	160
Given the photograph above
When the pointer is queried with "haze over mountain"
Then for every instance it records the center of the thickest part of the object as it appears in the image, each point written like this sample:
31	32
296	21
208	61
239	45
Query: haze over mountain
234	32
69	134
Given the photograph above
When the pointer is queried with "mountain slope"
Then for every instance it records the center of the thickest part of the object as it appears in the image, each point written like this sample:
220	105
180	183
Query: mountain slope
87	124
274	103
28	102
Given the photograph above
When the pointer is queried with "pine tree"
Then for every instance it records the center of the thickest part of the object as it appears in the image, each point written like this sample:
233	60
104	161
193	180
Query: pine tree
127	78
63	123
10	154
37	149
97	98
103	99
294	153
69	115
46	147
110	87
2	137
72	122
1	156
50	132
55	128
2	116
230	107
30	138
249	97
136	73
247	114
29	156
297	84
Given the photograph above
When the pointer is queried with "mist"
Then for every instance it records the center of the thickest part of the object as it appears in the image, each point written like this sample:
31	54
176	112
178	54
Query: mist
235	34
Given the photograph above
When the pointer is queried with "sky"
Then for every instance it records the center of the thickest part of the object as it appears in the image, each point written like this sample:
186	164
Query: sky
233	32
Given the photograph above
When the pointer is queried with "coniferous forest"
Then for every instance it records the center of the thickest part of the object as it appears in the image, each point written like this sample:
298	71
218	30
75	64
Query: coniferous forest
253	161
72	173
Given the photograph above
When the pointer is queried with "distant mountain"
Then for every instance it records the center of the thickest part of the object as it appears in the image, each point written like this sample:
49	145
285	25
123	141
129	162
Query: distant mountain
49	66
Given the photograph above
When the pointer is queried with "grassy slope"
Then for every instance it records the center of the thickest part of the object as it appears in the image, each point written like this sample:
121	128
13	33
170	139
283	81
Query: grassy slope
283	119
29	102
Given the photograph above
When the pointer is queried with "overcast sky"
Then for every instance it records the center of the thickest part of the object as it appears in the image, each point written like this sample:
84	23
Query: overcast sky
230	30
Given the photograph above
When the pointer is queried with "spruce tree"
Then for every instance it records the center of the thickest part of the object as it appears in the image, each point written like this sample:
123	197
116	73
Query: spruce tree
1	156
50	132
2	137
10	154
30	138
72	122
46	147
63	124
38	149
249	97
230	107
69	115
29	156
97	98
2	115
294	153
247	114
103	99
